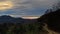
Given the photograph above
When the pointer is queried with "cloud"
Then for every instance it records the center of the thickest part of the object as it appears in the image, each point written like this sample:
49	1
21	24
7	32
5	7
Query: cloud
24	5
30	7
28	4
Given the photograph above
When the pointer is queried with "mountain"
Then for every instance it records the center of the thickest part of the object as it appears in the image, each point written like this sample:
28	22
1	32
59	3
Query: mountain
9	19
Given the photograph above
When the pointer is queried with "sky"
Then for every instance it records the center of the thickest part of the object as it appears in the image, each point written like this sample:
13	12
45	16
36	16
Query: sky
19	8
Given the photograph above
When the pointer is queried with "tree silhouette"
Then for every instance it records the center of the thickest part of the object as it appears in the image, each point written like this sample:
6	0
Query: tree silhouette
56	6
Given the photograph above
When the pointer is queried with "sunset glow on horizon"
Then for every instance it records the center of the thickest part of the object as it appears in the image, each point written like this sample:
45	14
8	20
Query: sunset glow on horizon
32	17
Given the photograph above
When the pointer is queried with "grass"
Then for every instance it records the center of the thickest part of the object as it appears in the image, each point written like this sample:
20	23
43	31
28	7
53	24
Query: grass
33	28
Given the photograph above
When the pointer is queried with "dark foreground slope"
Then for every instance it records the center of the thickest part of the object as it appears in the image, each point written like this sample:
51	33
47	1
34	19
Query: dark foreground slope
11	25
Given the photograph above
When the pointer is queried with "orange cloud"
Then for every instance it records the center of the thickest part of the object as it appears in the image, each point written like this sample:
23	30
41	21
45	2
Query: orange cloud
6	5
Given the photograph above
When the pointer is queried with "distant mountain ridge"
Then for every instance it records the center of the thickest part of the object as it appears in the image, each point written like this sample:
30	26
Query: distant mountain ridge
9	19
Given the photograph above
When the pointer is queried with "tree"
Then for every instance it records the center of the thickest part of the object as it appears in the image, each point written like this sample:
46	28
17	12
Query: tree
56	6
48	11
